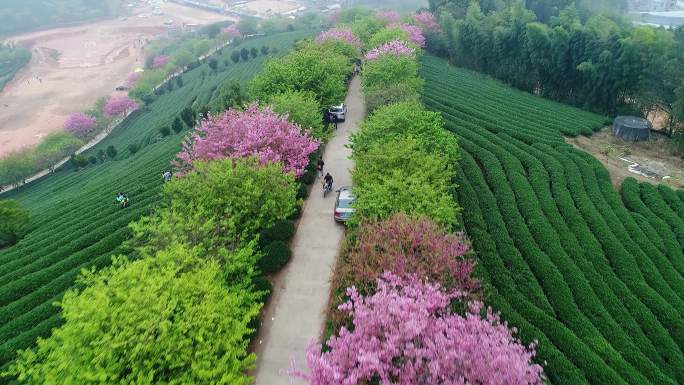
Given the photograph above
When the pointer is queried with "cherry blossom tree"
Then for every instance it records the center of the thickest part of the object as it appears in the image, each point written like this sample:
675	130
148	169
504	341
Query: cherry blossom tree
394	47
415	34
231	31
79	124
427	21
254	131
406	246
119	105
341	34
388	16
406	334
161	61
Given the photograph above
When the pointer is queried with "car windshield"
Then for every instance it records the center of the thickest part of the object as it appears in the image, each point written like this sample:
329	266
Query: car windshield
336	109
345	203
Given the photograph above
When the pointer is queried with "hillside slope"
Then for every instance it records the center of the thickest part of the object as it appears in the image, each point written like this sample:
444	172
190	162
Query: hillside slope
76	223
594	275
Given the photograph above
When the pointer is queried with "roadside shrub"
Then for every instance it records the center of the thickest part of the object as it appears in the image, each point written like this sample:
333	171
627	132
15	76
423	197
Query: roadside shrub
282	230
235	56
302	191
254	52
305	69
262	286
399	176
389	70
395	93
164	130
264	50
219	205
244	54
275	256
406	119
134	147
111	151
79	160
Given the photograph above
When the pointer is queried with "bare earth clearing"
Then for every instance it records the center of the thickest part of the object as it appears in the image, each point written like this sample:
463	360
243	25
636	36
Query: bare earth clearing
73	66
654	158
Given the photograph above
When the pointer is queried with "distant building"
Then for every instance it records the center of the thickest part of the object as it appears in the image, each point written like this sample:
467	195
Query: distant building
652	5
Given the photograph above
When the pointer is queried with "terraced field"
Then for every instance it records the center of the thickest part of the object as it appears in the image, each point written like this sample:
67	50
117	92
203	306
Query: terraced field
76	224
594	275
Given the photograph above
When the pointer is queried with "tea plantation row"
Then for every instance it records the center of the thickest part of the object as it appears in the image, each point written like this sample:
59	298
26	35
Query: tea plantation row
75	222
595	276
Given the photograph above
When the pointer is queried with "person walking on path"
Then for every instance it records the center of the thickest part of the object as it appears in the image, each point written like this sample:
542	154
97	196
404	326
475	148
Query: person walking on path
319	167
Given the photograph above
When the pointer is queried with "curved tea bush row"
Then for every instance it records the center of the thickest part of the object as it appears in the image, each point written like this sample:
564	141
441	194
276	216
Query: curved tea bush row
564	259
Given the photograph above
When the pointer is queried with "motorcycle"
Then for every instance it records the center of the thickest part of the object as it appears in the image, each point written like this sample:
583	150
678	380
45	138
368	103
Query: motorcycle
327	187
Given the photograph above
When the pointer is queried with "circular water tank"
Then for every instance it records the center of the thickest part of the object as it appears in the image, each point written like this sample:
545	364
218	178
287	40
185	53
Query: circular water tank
631	128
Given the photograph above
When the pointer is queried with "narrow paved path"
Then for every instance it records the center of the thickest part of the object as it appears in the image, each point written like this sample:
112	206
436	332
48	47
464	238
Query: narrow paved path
296	313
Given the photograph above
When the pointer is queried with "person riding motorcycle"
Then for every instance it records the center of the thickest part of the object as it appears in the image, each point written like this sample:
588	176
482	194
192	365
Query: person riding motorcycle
328	182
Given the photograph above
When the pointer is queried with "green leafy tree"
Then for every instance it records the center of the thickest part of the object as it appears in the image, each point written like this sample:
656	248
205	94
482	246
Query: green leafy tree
304	70
394	93
386	35
398	120
167	318
111	151
254	52
188	116
390	70
400	176
264	50
14	221
220	205
302	108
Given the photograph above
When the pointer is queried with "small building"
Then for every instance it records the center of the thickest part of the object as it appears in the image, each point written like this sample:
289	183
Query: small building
631	128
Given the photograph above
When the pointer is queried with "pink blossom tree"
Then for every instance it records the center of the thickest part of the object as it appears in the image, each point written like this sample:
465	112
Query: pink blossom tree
406	334
394	47
340	34
427	21
161	61
415	34
252	132
132	78
231	31
388	16
119	105
79	124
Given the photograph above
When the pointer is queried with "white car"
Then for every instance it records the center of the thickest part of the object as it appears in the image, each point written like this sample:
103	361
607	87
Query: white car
340	111
343	205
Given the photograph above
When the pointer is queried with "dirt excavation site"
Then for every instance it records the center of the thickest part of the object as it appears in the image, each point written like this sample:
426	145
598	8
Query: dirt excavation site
72	67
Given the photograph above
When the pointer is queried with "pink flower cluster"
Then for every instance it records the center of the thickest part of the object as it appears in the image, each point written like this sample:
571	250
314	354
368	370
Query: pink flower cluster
132	78
339	34
231	30
395	47
427	21
406	334
79	124
160	61
119	105
388	16
415	34
252	132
